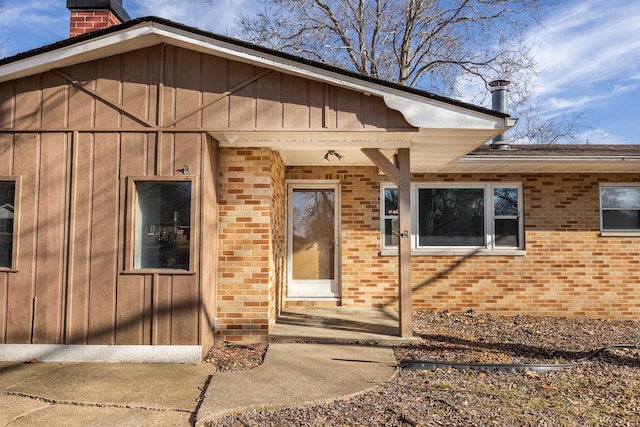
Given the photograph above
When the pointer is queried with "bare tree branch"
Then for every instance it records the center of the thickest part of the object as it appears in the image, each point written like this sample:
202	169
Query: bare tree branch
434	45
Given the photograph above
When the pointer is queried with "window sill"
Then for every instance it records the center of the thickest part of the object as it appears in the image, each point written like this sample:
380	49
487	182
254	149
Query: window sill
619	234
159	271
458	252
8	270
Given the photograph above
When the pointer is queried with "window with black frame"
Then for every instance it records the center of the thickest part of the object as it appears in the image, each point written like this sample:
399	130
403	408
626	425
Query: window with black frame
7	213
162	225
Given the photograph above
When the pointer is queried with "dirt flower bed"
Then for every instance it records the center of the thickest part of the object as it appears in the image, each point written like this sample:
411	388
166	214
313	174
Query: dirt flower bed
236	357
604	391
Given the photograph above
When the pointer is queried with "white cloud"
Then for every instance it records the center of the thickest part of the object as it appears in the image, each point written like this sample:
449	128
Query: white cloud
29	24
586	43
601	136
568	104
620	89
219	17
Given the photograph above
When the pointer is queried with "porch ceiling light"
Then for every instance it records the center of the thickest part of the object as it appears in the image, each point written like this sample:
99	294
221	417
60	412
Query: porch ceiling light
327	156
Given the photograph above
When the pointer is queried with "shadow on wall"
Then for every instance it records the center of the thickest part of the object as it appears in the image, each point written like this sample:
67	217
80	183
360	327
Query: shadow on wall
435	277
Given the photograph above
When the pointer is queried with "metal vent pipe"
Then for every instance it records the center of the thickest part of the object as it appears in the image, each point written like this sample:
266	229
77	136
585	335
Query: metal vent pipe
499	102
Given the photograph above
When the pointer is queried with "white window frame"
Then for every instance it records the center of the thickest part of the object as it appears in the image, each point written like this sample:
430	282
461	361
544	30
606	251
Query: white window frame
616	232
489	247
384	216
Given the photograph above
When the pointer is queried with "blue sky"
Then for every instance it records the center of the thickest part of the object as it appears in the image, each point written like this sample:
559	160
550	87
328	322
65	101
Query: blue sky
588	52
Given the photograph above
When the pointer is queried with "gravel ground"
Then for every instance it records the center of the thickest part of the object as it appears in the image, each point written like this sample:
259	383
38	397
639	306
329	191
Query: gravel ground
604	391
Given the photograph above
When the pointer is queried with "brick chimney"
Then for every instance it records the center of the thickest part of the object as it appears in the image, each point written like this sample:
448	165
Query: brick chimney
93	15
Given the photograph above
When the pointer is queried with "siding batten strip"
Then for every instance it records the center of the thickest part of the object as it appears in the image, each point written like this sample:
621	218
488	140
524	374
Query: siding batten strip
67	305
160	106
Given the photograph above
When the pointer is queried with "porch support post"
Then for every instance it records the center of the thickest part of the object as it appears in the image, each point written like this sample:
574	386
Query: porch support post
401	176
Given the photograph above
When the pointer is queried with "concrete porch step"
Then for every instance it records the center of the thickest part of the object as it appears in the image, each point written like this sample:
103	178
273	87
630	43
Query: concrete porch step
338	325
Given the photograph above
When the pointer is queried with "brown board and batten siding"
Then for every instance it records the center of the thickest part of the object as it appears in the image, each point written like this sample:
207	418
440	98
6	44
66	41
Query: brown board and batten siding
68	285
75	138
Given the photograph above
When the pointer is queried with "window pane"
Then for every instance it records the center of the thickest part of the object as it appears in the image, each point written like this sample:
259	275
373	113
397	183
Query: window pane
505	201
621	220
620	198
391	227
163	225
313	234
391	201
506	233
7	200
451	217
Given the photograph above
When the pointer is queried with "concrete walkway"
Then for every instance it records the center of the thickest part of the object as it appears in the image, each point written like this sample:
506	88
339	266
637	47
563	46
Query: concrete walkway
105	394
308	361
293	374
118	394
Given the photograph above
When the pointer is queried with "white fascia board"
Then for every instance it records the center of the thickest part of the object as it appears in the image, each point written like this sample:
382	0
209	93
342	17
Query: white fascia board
101	47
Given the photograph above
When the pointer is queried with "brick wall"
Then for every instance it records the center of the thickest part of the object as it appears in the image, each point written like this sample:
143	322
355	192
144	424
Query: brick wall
568	269
246	247
277	255
86	21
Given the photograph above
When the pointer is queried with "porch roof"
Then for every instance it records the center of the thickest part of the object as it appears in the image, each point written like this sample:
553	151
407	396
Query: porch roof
443	129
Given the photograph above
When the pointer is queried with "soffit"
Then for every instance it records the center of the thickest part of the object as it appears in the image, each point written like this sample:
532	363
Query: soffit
431	149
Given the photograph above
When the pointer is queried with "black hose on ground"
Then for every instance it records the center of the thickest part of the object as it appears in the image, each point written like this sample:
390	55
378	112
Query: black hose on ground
432	365
597	352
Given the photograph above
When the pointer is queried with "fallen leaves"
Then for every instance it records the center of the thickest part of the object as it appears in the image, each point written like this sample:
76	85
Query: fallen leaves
604	391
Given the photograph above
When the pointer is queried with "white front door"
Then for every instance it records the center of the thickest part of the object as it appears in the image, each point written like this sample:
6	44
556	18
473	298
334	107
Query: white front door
312	242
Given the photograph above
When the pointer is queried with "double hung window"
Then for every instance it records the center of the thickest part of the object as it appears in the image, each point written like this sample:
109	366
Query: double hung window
485	216
620	208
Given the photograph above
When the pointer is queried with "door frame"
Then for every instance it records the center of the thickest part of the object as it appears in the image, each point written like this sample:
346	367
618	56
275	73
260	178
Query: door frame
309	184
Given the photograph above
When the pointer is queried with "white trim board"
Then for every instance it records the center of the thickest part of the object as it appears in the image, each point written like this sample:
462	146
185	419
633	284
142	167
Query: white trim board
101	353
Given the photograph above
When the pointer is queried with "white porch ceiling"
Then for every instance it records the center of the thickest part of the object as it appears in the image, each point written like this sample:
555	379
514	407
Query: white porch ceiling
431	149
